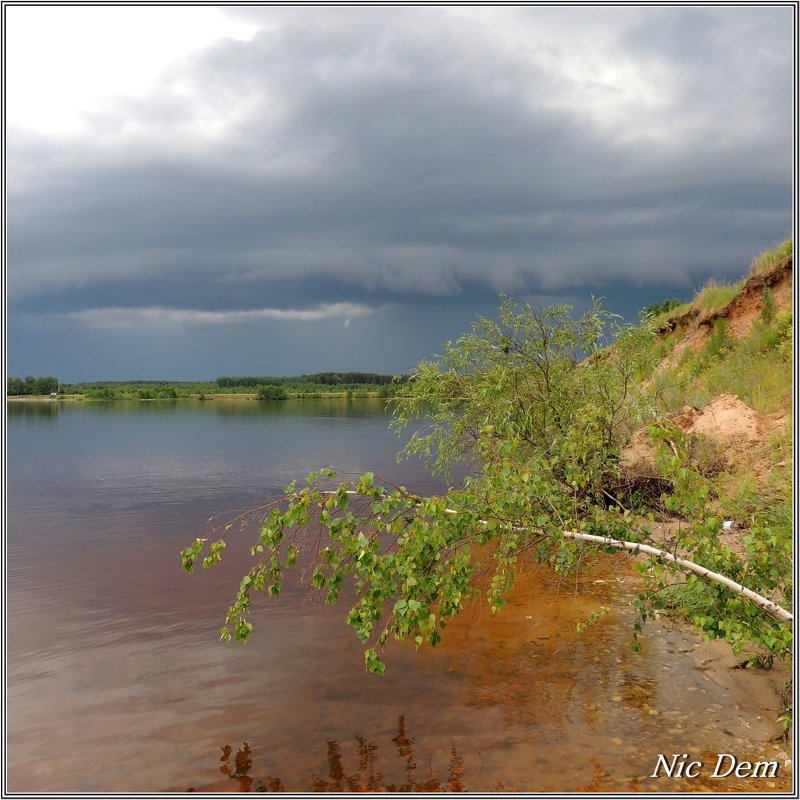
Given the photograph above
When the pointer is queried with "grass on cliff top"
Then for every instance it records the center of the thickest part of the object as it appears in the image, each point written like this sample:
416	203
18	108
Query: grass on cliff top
771	258
757	369
715	295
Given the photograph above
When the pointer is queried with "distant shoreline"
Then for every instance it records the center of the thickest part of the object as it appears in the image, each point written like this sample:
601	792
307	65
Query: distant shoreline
81	398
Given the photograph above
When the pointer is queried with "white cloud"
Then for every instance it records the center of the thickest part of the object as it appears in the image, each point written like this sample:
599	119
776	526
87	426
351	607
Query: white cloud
158	315
64	61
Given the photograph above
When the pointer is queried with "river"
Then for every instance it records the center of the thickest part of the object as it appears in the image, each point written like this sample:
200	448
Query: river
116	680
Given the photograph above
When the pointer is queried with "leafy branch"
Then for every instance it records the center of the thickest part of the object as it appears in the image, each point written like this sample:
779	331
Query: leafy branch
541	405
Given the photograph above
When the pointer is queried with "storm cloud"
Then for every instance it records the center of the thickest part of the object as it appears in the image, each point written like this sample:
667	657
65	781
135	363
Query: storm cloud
386	172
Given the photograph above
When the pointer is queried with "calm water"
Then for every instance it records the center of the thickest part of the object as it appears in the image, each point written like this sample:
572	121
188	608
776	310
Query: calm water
117	681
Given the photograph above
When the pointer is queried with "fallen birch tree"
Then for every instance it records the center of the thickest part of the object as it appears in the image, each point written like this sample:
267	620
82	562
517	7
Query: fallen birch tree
540	405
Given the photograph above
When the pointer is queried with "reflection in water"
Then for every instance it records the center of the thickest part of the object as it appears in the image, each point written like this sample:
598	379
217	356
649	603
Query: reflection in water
304	407
366	778
242	764
33	411
236	408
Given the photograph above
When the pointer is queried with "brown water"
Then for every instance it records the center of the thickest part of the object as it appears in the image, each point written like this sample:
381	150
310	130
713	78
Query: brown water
116	680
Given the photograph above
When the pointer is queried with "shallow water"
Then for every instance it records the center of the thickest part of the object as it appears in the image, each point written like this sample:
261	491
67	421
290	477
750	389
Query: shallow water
117	682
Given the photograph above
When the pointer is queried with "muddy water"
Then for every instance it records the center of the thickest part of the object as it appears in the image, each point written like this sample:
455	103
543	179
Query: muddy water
116	681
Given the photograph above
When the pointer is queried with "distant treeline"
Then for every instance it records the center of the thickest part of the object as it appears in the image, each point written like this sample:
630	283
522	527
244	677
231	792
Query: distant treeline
28	385
267	387
349	383
318	378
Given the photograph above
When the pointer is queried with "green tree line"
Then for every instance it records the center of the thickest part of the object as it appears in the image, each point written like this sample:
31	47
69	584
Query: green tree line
266	387
32	386
317	379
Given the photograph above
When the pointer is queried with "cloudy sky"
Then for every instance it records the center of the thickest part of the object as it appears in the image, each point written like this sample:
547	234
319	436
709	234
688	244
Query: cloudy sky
197	191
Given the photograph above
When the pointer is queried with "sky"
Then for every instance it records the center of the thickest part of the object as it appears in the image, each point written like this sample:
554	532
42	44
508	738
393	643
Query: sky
204	191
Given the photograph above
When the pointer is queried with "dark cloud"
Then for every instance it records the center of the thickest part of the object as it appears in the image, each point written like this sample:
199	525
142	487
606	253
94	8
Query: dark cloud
404	161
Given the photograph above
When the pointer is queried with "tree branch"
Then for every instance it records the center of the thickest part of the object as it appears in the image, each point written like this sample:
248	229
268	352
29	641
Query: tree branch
636	547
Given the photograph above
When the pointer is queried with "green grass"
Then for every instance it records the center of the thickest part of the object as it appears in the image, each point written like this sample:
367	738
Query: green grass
757	369
715	295
681	600
678	310
771	258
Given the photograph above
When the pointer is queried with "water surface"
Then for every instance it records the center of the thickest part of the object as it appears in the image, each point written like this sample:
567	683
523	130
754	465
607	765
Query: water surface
117	681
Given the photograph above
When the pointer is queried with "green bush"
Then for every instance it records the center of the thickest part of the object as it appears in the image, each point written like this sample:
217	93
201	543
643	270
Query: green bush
657	309
271	393
101	393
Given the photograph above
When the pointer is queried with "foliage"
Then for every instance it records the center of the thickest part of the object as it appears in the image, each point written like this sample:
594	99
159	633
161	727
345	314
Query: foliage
540	404
271	393
658	308
32	386
358	384
534	375
317	379
766	567
154	393
135	390
541	408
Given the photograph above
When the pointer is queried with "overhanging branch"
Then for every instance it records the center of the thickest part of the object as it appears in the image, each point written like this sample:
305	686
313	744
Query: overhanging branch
636	547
